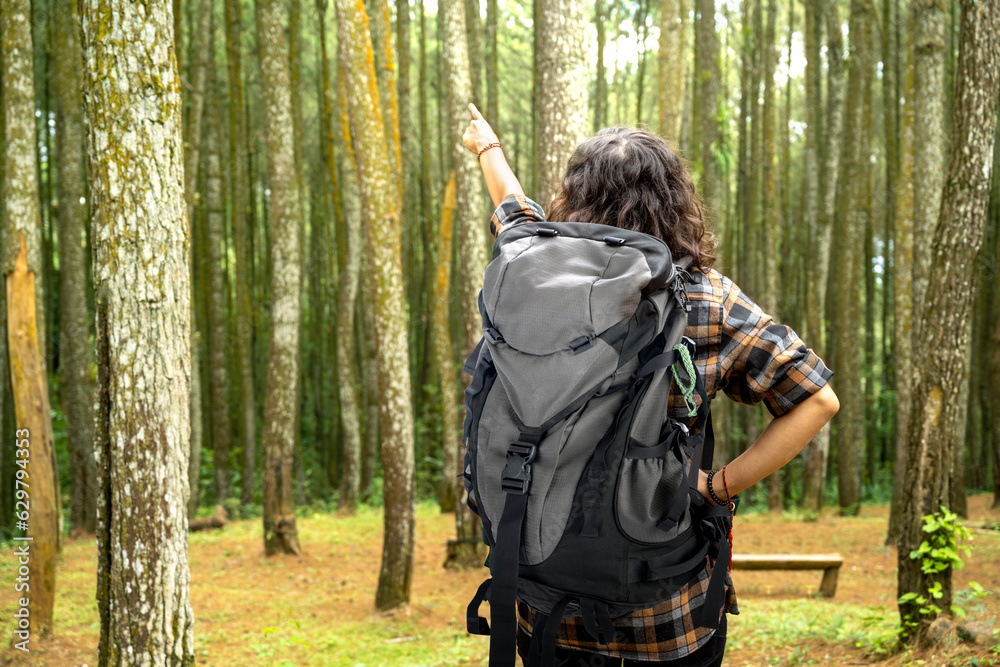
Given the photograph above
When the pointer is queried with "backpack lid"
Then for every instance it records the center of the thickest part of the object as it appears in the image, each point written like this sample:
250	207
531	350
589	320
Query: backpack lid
557	300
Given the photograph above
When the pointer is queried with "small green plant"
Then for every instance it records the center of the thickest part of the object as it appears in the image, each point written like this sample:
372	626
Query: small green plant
967	600
939	551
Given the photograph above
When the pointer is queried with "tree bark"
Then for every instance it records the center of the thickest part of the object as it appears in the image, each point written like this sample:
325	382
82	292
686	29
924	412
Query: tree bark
385	73
707	59
22	264
562	110
671	68
472	248
380	211
474	38
449	494
855	172
815	454
281	407
492	60
601	87
142	278
238	169
74	329
941	331
196	73
924	139
218	337
347	350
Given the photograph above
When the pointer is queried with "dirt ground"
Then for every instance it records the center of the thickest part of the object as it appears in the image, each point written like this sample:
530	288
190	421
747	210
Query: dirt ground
317	609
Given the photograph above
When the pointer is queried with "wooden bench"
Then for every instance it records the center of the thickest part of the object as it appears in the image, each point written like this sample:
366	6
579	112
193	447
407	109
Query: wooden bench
829	563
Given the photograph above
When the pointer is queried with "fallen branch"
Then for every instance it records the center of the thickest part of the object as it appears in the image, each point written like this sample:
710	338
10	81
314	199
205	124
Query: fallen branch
217	520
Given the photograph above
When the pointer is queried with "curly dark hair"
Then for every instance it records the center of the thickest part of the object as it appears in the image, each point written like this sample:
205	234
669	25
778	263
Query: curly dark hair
632	179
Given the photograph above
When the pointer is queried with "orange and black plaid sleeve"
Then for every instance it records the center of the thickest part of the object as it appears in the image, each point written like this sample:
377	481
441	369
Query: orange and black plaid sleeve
512	210
762	360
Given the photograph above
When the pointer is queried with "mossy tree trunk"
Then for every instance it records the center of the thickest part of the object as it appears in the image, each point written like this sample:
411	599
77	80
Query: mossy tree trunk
926	169
239	207
215	283
562	75
771	208
856	177
142	278
448	492
352	245
22	265
285	212
815	454
76	352
941	331
903	303
380	212
671	59
471	233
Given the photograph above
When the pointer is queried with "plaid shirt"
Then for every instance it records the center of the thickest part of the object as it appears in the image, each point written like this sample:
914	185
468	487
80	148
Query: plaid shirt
740	350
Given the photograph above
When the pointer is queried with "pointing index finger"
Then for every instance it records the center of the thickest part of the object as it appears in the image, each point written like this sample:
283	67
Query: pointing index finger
474	112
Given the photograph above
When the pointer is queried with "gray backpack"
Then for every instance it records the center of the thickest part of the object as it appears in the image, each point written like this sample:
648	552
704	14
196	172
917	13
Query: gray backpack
587	498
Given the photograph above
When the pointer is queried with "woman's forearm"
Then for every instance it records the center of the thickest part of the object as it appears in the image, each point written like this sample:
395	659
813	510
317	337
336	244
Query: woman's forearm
500	179
778	444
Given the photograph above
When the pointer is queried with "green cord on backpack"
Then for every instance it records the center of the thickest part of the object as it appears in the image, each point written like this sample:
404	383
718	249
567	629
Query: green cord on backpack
688	390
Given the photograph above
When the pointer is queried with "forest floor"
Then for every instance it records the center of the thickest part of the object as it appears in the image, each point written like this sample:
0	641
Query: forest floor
317	609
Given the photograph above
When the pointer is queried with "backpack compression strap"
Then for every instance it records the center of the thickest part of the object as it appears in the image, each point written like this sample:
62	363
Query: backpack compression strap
503	591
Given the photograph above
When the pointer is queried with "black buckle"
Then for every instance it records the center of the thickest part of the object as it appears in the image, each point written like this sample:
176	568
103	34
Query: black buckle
517	473
492	335
680	290
546	231
615	241
581	344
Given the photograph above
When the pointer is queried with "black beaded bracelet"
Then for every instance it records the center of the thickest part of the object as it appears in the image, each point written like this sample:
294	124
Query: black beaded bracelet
711	491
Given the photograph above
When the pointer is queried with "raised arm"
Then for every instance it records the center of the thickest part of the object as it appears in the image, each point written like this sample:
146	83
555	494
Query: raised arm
500	179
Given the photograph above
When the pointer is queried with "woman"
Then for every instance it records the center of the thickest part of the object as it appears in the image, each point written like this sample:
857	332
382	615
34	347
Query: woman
631	178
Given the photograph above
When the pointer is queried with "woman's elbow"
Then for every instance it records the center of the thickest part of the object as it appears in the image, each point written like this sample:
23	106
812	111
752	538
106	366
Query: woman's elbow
828	401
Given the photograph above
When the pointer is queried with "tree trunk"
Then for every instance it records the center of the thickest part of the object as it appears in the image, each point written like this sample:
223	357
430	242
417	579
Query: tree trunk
671	59
238	169
771	211
707	59
385	72
281	407
449	494
601	89
642	9
218	337
941	331
347	350
472	248
474	38
74	329
22	264
855	172
924	139
562	110
816	453
143	332
930	136
380	210
195	73
492	60
334	241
